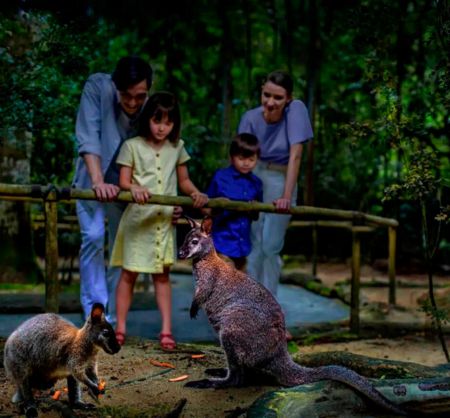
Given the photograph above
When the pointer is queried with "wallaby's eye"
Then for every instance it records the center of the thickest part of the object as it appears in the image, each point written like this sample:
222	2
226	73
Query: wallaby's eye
195	241
105	331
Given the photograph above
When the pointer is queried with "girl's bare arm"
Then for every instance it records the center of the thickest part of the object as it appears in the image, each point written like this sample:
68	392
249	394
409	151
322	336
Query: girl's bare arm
187	187
140	194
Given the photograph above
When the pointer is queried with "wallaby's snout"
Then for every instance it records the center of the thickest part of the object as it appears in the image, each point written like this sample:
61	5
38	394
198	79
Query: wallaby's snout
106	338
192	245
184	252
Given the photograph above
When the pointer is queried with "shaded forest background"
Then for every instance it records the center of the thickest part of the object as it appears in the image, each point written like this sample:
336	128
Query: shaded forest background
375	76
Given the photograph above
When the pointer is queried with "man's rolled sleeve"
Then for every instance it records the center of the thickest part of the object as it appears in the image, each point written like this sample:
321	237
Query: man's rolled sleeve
88	121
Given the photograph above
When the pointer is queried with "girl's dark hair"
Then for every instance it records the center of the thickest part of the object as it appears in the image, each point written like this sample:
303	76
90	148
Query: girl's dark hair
130	71
159	105
283	79
245	145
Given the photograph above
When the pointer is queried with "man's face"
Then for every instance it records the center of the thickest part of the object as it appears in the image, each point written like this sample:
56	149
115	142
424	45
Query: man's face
134	97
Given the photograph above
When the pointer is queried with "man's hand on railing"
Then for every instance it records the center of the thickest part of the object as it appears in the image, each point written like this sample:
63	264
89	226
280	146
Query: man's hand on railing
105	192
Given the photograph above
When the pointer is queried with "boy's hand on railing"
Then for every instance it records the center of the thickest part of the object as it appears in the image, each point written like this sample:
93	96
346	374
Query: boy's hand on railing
140	194
177	212
105	192
200	199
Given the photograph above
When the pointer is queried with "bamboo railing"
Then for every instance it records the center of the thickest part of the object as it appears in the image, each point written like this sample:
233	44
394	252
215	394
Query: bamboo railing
357	222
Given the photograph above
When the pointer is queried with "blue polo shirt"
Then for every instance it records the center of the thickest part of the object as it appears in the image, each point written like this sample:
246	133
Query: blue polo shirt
231	229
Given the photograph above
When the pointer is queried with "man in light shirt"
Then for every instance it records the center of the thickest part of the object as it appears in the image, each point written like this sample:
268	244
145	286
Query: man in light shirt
109	109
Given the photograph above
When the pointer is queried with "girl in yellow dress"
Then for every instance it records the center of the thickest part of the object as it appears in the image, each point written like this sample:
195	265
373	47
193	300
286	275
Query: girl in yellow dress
153	162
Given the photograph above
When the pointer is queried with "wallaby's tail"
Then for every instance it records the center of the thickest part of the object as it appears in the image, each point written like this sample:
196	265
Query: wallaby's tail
353	379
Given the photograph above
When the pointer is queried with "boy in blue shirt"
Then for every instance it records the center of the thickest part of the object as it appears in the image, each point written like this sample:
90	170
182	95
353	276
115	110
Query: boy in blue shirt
231	229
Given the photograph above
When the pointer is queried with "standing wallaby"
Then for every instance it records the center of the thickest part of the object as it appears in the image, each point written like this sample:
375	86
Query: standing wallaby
250	324
46	348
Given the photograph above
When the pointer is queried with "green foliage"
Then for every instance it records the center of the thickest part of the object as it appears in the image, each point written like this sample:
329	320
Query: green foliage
434	312
42	66
375	75
420	177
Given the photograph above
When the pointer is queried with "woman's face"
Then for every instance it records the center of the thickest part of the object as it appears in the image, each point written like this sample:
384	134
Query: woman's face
274	98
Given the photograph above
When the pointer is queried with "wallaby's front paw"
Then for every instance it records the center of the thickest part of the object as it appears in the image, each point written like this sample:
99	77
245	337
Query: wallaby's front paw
200	384
82	405
94	392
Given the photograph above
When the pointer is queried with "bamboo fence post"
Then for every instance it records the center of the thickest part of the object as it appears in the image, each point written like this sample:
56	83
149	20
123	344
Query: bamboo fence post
356	284
392	245
314	248
51	254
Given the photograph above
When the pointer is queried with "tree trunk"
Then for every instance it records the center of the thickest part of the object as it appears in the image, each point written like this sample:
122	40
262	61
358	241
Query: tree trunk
313	72
17	262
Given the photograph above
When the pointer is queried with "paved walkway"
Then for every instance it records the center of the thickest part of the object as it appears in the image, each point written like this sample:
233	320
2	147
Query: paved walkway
302	309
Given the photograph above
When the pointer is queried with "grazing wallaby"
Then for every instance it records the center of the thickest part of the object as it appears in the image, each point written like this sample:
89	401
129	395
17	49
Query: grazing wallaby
250	324
46	348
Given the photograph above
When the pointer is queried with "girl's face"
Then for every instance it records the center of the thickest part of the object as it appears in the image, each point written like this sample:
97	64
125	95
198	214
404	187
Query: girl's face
274	98
160	129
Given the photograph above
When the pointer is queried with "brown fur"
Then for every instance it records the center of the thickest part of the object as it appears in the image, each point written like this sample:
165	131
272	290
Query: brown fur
250	324
47	348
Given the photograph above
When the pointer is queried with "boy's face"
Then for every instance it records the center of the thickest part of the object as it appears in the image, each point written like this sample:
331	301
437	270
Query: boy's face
244	164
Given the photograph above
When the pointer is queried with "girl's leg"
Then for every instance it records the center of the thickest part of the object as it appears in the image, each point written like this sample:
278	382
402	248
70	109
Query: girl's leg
163	293
124	295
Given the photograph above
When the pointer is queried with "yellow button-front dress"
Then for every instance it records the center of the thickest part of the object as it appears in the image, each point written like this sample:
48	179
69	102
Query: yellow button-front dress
145	240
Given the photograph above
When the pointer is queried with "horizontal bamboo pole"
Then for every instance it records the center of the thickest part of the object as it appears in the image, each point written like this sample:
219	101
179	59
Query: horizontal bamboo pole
51	192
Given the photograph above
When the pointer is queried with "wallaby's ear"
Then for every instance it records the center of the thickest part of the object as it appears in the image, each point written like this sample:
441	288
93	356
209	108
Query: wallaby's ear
192	223
97	313
207	225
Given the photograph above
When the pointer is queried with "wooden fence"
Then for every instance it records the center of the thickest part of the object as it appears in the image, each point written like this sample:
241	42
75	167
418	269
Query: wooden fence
357	223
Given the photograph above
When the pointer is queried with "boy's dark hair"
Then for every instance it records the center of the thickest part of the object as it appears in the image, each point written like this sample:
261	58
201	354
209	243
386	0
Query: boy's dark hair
281	78
130	71
158	105
245	145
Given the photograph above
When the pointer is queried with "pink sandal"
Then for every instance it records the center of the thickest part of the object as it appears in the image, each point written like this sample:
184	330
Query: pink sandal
170	343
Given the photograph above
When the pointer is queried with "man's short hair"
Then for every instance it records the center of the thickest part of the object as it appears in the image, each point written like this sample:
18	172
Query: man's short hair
245	145
130	71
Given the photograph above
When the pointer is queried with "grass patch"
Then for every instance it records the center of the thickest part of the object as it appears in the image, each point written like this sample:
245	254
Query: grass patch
328	337
22	287
73	288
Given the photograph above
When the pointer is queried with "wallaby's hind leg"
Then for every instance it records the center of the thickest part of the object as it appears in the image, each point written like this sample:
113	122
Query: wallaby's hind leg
234	378
235	374
29	405
219	372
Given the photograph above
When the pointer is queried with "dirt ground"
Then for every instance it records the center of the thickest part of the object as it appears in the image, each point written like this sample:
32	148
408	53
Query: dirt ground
136	387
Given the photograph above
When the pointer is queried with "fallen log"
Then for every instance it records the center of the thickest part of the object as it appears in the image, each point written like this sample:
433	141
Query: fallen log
416	388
